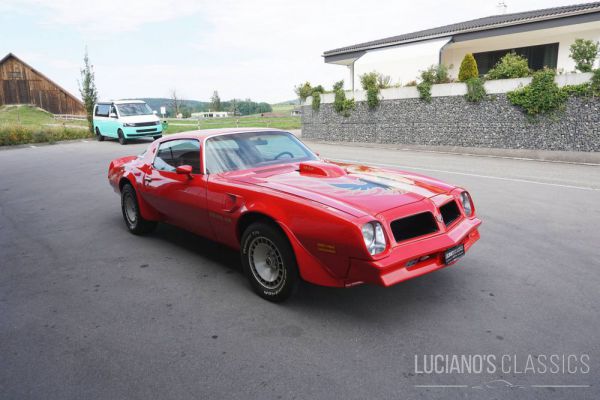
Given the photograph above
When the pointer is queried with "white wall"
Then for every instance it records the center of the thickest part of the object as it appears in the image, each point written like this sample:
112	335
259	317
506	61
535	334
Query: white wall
565	36
401	63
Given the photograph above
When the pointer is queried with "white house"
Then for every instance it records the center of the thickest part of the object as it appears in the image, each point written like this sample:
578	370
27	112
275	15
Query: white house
542	36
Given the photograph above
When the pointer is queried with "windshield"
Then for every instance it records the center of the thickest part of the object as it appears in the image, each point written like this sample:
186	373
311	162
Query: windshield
253	149
129	109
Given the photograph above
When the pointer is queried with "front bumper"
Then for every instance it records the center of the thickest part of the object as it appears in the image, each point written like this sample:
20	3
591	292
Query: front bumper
393	268
142	131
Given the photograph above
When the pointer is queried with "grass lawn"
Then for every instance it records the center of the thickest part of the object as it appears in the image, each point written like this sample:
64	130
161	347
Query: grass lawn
27	124
283	108
179	125
31	117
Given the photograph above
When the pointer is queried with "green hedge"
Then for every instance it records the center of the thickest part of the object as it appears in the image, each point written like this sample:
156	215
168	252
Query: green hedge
20	134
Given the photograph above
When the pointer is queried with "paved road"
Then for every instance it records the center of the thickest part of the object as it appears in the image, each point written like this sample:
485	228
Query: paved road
88	311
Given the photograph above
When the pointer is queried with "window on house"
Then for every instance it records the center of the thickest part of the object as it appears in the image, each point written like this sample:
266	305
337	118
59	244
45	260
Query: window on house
541	56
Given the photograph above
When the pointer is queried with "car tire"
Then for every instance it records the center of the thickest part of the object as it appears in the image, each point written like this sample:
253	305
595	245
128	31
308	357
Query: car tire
99	136
269	262
122	138
131	213
157	137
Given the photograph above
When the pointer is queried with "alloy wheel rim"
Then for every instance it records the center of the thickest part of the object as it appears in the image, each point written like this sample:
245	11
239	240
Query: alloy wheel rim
266	262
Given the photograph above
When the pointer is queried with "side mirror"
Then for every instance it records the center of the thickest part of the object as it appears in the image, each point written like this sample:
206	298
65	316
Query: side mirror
113	115
184	170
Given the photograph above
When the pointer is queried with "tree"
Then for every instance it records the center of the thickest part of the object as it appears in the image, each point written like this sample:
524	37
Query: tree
584	53
175	102
468	68
215	102
303	91
87	88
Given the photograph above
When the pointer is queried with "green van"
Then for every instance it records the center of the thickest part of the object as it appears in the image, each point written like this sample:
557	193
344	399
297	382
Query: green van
125	119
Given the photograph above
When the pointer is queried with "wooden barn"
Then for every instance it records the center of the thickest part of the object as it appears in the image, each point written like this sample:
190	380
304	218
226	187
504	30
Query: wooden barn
20	83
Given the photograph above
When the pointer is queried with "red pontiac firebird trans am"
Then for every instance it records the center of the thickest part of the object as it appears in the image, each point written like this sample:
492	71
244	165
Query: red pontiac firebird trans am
293	215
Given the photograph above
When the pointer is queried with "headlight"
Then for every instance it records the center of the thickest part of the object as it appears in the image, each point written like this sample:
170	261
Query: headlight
466	203
158	122
128	124
374	238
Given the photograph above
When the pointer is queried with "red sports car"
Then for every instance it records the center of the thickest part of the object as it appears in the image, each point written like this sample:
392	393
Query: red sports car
293	215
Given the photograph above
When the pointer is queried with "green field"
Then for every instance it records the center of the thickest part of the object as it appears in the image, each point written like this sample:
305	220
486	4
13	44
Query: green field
27	124
179	125
283	108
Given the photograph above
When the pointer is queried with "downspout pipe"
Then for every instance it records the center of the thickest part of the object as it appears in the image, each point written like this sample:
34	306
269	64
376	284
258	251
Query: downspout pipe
451	40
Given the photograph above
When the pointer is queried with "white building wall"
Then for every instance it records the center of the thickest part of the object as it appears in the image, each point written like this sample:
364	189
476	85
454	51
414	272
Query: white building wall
564	36
402	63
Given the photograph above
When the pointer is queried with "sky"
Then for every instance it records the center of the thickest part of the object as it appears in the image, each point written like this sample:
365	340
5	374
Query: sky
257	49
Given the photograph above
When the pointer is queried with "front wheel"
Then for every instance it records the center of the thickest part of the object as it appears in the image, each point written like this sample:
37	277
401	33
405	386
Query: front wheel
122	138
269	262
131	213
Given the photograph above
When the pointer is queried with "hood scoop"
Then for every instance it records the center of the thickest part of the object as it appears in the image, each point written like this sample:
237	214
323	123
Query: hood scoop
322	169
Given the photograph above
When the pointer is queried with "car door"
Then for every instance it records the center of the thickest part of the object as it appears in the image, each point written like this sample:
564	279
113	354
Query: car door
113	122
101	119
180	198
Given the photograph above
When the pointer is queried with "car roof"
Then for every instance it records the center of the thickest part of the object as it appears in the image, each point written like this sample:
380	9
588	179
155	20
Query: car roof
121	102
205	133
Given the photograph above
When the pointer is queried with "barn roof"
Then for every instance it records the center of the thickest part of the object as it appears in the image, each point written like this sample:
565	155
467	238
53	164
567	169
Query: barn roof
11	55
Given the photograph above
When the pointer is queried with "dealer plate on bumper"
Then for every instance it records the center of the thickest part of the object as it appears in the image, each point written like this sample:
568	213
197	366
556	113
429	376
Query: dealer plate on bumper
454	253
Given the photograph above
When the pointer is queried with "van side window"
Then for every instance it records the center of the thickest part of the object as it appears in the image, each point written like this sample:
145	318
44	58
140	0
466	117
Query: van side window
175	153
102	110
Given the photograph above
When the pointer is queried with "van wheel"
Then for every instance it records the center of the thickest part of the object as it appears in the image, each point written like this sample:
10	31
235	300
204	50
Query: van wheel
269	262
99	137
122	138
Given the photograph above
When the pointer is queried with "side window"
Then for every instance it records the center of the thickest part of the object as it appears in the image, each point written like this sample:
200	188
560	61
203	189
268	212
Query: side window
175	153
102	110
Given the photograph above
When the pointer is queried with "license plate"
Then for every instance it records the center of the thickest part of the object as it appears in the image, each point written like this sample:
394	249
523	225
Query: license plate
454	253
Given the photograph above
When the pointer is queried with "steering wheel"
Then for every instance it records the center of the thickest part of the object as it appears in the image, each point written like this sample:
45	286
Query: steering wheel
283	153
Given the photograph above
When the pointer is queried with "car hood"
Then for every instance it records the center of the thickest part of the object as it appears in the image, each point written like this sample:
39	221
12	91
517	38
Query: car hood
355	189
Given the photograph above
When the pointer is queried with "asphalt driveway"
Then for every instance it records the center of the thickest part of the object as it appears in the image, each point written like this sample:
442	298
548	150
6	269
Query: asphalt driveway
89	311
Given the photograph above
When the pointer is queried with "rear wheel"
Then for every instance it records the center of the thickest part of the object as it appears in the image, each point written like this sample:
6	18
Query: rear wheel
99	136
122	138
269	262
131	212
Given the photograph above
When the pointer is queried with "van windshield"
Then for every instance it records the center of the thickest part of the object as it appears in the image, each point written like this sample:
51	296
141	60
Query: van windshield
129	109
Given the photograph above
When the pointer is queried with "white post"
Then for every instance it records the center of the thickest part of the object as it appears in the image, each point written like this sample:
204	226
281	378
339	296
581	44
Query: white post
351	69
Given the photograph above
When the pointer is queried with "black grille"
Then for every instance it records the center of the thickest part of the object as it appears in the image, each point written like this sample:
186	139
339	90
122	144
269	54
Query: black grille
450	212
145	124
145	130
413	226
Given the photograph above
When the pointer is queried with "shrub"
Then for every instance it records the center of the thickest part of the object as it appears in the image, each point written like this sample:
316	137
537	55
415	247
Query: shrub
22	134
316	100
475	90
372	82
442	75
341	104
411	83
541	96
595	83
303	91
424	89
584	53
468	68
511	65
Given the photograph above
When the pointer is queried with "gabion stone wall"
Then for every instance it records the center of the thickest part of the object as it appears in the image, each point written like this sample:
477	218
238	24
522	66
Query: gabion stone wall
452	121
